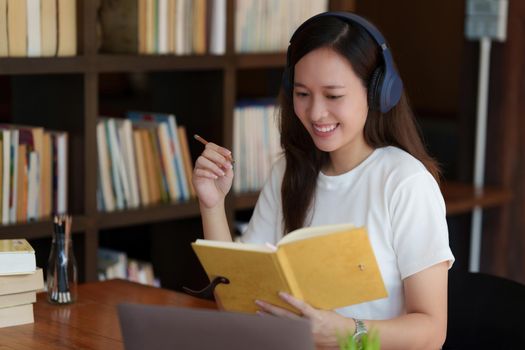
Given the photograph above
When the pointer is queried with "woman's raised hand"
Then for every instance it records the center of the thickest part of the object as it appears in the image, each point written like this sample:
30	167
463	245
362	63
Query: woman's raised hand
213	175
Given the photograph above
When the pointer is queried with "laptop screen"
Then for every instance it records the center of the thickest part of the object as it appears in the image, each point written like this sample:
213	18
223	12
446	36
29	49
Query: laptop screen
168	327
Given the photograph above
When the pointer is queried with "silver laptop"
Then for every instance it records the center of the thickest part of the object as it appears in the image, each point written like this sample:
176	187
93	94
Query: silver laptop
168	327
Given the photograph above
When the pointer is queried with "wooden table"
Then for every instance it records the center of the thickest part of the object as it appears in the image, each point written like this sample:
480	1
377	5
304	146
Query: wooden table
91	322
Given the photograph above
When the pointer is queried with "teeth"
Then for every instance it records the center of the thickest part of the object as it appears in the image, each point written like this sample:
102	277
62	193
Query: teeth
326	128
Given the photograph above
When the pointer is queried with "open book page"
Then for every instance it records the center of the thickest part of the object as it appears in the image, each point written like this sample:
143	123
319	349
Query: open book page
252	275
307	232
334	270
235	245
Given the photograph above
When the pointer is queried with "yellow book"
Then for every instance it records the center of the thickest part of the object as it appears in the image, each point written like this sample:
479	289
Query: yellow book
16	256
67	28
17	28
21	210
48	27
186	159
327	266
4	47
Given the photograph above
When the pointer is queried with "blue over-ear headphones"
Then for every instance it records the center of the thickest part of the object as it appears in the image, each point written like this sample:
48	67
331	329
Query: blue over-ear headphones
385	86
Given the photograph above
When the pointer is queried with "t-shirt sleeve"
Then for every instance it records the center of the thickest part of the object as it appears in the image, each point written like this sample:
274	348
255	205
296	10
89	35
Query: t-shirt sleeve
264	224
419	226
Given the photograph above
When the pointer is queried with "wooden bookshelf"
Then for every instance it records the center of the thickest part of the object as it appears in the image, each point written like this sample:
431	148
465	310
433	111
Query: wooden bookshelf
154	213
151	63
245	201
43	65
263	60
460	198
65	93
38	229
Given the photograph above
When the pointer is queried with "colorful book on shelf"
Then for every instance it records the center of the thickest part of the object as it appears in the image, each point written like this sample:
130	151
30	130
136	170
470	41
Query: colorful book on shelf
46	175
186	157
125	136
16	257
13	171
120	26
1	174
157	169
67	28
21	211
104	170
34	43
141	168
6	145
152	178
217	28
4	48
17	28
111	264
49	27
176	156
327	266
32	185
58	171
10	197
33	138
118	171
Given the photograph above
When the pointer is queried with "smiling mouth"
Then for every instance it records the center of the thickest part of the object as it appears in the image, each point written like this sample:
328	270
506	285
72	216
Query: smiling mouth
324	129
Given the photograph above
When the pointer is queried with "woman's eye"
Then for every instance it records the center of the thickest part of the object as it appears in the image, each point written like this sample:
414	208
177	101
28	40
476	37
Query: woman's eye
334	97
300	94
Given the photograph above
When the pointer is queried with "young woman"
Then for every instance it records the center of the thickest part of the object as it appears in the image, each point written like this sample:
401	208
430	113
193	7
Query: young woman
352	153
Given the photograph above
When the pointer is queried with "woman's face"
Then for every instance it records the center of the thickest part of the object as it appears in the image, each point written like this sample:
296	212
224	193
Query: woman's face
330	100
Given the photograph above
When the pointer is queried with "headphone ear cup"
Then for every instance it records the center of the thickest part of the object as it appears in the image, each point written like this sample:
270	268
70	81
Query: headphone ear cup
374	89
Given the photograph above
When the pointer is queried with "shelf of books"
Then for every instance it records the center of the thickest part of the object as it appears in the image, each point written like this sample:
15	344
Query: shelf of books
44	28
246	200
462	197
201	61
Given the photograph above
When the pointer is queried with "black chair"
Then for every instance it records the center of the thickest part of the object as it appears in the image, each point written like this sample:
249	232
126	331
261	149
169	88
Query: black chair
485	312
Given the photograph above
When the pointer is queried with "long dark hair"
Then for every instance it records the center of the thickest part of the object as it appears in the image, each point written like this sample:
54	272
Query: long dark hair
303	160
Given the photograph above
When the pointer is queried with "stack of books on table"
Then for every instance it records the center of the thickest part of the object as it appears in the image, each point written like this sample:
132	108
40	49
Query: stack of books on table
20	279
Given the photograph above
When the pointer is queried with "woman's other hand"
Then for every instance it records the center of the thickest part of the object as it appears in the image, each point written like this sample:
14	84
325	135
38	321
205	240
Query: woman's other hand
213	175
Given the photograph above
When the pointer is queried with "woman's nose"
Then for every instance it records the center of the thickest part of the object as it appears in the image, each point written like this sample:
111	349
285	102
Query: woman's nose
318	109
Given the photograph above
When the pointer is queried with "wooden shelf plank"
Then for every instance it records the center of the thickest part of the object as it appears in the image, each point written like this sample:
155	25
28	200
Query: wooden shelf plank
142	63
462	198
38	229
154	213
136	63
246	200
42	65
260	60
459	198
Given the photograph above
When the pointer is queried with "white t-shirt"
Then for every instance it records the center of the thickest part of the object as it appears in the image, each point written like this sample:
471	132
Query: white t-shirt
390	193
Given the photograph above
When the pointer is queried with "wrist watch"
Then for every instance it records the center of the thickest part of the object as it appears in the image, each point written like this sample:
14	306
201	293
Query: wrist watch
360	330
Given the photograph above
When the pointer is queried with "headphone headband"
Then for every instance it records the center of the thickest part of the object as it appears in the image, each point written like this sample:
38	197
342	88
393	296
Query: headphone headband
385	93
347	17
